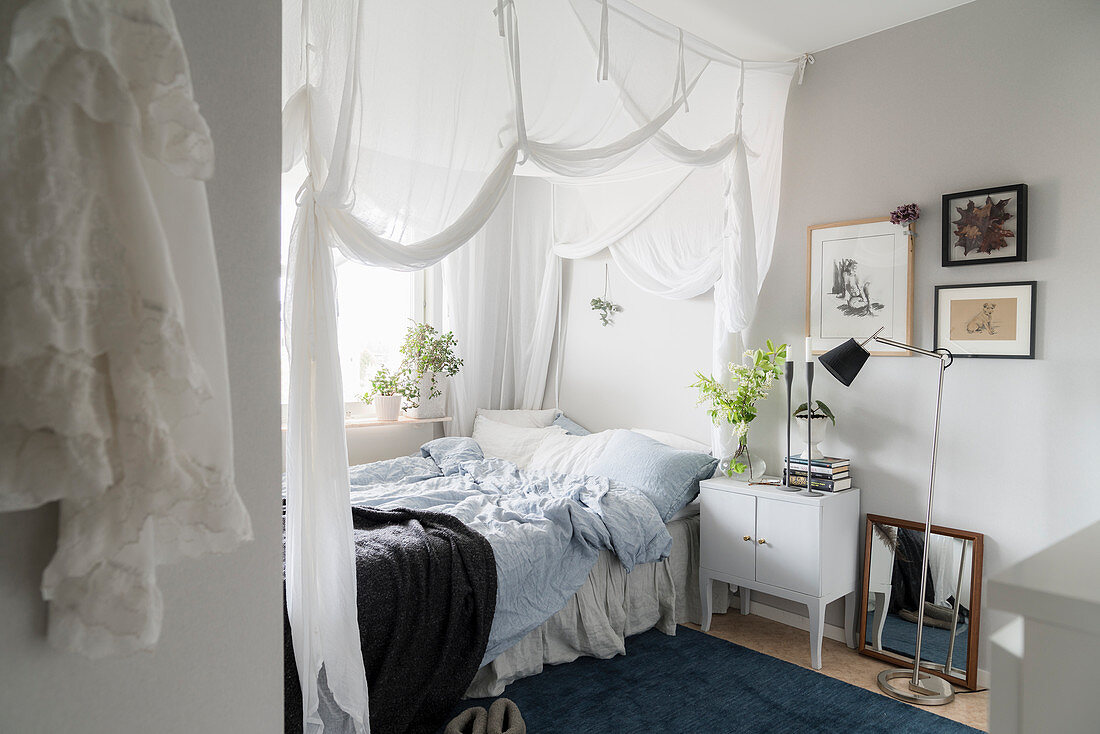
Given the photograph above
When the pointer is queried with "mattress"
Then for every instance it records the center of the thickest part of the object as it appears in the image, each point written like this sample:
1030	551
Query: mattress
610	606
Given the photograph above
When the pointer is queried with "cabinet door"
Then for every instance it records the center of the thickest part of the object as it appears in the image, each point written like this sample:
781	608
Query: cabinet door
725	519
790	556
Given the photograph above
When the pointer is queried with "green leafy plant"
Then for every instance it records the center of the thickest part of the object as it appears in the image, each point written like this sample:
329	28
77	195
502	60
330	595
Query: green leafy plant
426	351
606	309
821	410
737	405
383	383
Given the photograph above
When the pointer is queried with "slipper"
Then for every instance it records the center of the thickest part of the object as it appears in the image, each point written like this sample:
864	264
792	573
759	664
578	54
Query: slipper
504	718
929	620
470	721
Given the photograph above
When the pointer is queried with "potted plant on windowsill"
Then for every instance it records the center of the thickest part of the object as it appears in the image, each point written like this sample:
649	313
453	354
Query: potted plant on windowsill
820	414
384	393
429	359
737	405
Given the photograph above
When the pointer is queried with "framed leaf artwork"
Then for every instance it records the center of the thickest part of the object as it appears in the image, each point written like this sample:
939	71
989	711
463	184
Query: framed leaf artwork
993	320
860	278
985	226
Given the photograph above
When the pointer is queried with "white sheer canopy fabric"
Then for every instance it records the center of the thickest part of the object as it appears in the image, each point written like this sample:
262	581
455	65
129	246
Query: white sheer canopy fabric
113	368
502	297
411	118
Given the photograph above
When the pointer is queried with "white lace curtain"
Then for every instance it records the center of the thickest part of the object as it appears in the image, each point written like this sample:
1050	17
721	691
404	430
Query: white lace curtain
411	118
113	375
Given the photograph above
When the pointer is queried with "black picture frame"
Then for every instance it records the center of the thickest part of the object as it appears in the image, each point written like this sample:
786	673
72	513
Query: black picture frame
1033	287
949	256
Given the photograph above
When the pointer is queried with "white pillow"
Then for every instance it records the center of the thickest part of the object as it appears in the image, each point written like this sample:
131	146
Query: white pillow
674	440
524	418
568	454
512	443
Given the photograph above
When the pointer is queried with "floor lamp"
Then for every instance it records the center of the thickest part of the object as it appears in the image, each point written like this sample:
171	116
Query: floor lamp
844	363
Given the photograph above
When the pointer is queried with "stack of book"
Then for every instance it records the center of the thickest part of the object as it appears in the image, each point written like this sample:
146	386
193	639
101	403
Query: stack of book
827	474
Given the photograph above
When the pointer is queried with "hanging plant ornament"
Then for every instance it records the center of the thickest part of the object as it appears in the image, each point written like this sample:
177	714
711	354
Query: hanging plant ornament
604	306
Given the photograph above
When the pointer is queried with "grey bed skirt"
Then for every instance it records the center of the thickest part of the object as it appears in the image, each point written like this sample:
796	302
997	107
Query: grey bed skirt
611	606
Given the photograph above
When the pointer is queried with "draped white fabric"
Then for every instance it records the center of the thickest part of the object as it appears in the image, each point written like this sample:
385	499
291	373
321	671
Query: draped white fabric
502	295
411	118
113	371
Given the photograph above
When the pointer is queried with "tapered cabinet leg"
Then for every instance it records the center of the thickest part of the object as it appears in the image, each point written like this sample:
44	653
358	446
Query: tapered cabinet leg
817	631
850	611
706	605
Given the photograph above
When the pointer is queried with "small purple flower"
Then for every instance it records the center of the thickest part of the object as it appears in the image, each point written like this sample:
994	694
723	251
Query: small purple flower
905	213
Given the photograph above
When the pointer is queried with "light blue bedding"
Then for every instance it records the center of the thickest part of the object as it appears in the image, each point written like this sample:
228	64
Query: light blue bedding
546	529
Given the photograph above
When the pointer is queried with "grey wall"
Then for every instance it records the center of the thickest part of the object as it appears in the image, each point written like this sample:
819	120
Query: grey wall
218	666
990	93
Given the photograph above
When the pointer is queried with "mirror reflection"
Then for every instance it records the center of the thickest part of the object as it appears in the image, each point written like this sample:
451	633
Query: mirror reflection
893	596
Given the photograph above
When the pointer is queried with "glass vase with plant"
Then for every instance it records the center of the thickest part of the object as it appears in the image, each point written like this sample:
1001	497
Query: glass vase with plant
736	405
428	355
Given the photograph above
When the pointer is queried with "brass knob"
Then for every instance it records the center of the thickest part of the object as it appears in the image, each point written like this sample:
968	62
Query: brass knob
761	541
747	537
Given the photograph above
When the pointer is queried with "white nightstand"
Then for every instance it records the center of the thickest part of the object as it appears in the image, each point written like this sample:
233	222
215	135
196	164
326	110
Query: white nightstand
782	543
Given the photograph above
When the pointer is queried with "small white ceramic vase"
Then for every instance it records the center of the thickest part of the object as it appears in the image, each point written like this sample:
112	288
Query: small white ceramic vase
820	430
387	407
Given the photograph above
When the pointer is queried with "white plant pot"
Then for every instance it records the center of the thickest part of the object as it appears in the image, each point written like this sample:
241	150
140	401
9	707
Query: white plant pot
387	407
820	430
437	406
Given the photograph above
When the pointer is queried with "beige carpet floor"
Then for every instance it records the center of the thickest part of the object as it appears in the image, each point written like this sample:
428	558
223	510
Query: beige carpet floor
837	661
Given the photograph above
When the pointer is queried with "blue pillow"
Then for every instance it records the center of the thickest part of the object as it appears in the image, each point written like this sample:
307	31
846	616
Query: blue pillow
572	428
451	452
668	477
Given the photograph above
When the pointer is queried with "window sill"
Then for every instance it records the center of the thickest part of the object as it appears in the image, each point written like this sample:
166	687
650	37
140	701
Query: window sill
401	421
404	420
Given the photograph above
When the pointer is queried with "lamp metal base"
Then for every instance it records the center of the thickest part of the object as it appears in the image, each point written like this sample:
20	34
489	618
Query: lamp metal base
932	691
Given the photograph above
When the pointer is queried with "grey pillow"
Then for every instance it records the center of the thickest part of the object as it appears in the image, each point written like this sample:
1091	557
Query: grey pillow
668	477
571	427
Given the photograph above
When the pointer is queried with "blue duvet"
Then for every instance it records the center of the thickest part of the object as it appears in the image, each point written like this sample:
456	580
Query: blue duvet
546	529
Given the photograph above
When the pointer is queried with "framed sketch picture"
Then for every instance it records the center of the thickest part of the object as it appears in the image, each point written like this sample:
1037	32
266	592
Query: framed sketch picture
860	278
994	320
985	226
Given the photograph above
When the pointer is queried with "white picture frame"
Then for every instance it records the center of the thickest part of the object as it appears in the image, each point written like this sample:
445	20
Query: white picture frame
859	278
988	320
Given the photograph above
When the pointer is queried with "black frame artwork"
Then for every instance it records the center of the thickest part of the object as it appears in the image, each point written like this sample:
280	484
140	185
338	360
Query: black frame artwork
1019	229
957	353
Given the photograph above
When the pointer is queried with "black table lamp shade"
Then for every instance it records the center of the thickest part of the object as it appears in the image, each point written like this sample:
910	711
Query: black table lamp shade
845	361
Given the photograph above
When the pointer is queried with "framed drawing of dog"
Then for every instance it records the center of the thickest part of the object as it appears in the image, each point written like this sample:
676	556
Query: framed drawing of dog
995	320
859	278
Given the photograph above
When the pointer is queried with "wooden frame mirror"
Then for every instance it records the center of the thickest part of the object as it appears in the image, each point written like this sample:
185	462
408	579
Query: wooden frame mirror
891	586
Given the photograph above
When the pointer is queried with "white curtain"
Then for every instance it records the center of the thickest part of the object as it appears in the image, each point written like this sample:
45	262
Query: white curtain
503	294
411	118
113	372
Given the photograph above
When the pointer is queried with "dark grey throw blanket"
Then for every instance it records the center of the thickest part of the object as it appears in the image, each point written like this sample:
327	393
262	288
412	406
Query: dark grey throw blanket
905	583
427	590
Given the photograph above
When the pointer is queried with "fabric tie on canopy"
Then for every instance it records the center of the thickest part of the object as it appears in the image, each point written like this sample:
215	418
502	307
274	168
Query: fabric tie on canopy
411	140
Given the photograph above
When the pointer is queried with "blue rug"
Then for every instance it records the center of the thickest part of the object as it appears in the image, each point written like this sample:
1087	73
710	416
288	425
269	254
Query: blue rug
698	684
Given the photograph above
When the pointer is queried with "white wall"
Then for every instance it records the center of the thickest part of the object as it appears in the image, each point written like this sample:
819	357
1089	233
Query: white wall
993	92
219	665
635	373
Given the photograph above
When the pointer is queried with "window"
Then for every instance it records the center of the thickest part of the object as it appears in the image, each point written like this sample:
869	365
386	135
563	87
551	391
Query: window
374	308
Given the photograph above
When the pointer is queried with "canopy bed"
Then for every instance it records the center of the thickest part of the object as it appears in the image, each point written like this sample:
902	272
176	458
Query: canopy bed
604	128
